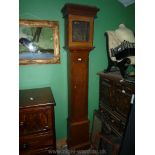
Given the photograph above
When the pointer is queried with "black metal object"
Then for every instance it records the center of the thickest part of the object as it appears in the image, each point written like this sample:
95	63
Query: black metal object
121	53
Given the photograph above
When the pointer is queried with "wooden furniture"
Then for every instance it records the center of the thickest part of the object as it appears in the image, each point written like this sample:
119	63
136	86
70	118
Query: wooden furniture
102	139
115	100
79	21
36	122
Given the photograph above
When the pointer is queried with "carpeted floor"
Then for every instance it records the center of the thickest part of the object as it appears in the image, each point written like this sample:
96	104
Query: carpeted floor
64	151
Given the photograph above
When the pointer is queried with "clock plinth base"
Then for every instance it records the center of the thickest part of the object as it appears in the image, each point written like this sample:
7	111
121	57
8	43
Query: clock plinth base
78	137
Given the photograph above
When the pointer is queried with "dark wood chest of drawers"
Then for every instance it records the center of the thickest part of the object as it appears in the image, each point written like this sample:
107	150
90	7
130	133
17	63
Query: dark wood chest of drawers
116	96
36	122
115	101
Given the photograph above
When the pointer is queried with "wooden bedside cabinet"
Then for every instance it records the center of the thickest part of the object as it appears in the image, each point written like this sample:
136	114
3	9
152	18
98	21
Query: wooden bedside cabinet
36	122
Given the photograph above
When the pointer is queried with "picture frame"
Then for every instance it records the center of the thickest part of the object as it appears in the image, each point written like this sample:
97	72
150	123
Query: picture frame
39	42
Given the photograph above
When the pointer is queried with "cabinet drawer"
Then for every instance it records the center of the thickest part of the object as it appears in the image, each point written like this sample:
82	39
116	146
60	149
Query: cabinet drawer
106	92
41	151
123	98
116	124
35	119
36	141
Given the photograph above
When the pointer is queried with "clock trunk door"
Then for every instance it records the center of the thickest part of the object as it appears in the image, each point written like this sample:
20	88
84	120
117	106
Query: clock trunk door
79	86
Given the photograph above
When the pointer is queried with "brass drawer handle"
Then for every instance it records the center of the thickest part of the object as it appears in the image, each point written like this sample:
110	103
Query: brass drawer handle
21	124
112	120
31	98
122	80
24	146
79	59
123	91
46	128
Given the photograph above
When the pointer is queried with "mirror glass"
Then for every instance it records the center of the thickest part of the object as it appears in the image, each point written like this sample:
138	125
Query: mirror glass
38	42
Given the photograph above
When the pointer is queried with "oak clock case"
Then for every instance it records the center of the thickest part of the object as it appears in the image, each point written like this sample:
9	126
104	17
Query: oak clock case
79	23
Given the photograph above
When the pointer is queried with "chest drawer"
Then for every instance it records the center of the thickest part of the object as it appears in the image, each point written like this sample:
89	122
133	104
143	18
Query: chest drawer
106	92
41	151
35	119
123	99
36	141
116	124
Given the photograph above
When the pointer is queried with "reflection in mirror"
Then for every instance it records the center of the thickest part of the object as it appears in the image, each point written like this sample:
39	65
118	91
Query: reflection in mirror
38	42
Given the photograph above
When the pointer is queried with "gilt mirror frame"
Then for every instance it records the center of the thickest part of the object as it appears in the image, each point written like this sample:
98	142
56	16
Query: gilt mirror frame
55	58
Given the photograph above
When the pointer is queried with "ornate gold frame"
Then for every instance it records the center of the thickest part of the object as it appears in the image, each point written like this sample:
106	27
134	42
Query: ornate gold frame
54	25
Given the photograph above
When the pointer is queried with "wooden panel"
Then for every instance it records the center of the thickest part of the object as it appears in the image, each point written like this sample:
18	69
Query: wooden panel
81	10
78	124
106	92
123	98
36	141
79	86
34	97
41	151
35	119
78	133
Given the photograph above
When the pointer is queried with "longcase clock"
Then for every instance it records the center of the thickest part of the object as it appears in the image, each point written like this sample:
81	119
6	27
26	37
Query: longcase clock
79	25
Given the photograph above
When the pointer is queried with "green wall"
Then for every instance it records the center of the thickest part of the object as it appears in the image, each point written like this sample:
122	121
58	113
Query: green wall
111	14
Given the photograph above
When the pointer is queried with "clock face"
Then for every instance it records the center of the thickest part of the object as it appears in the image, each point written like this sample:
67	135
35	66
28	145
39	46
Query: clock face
80	31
